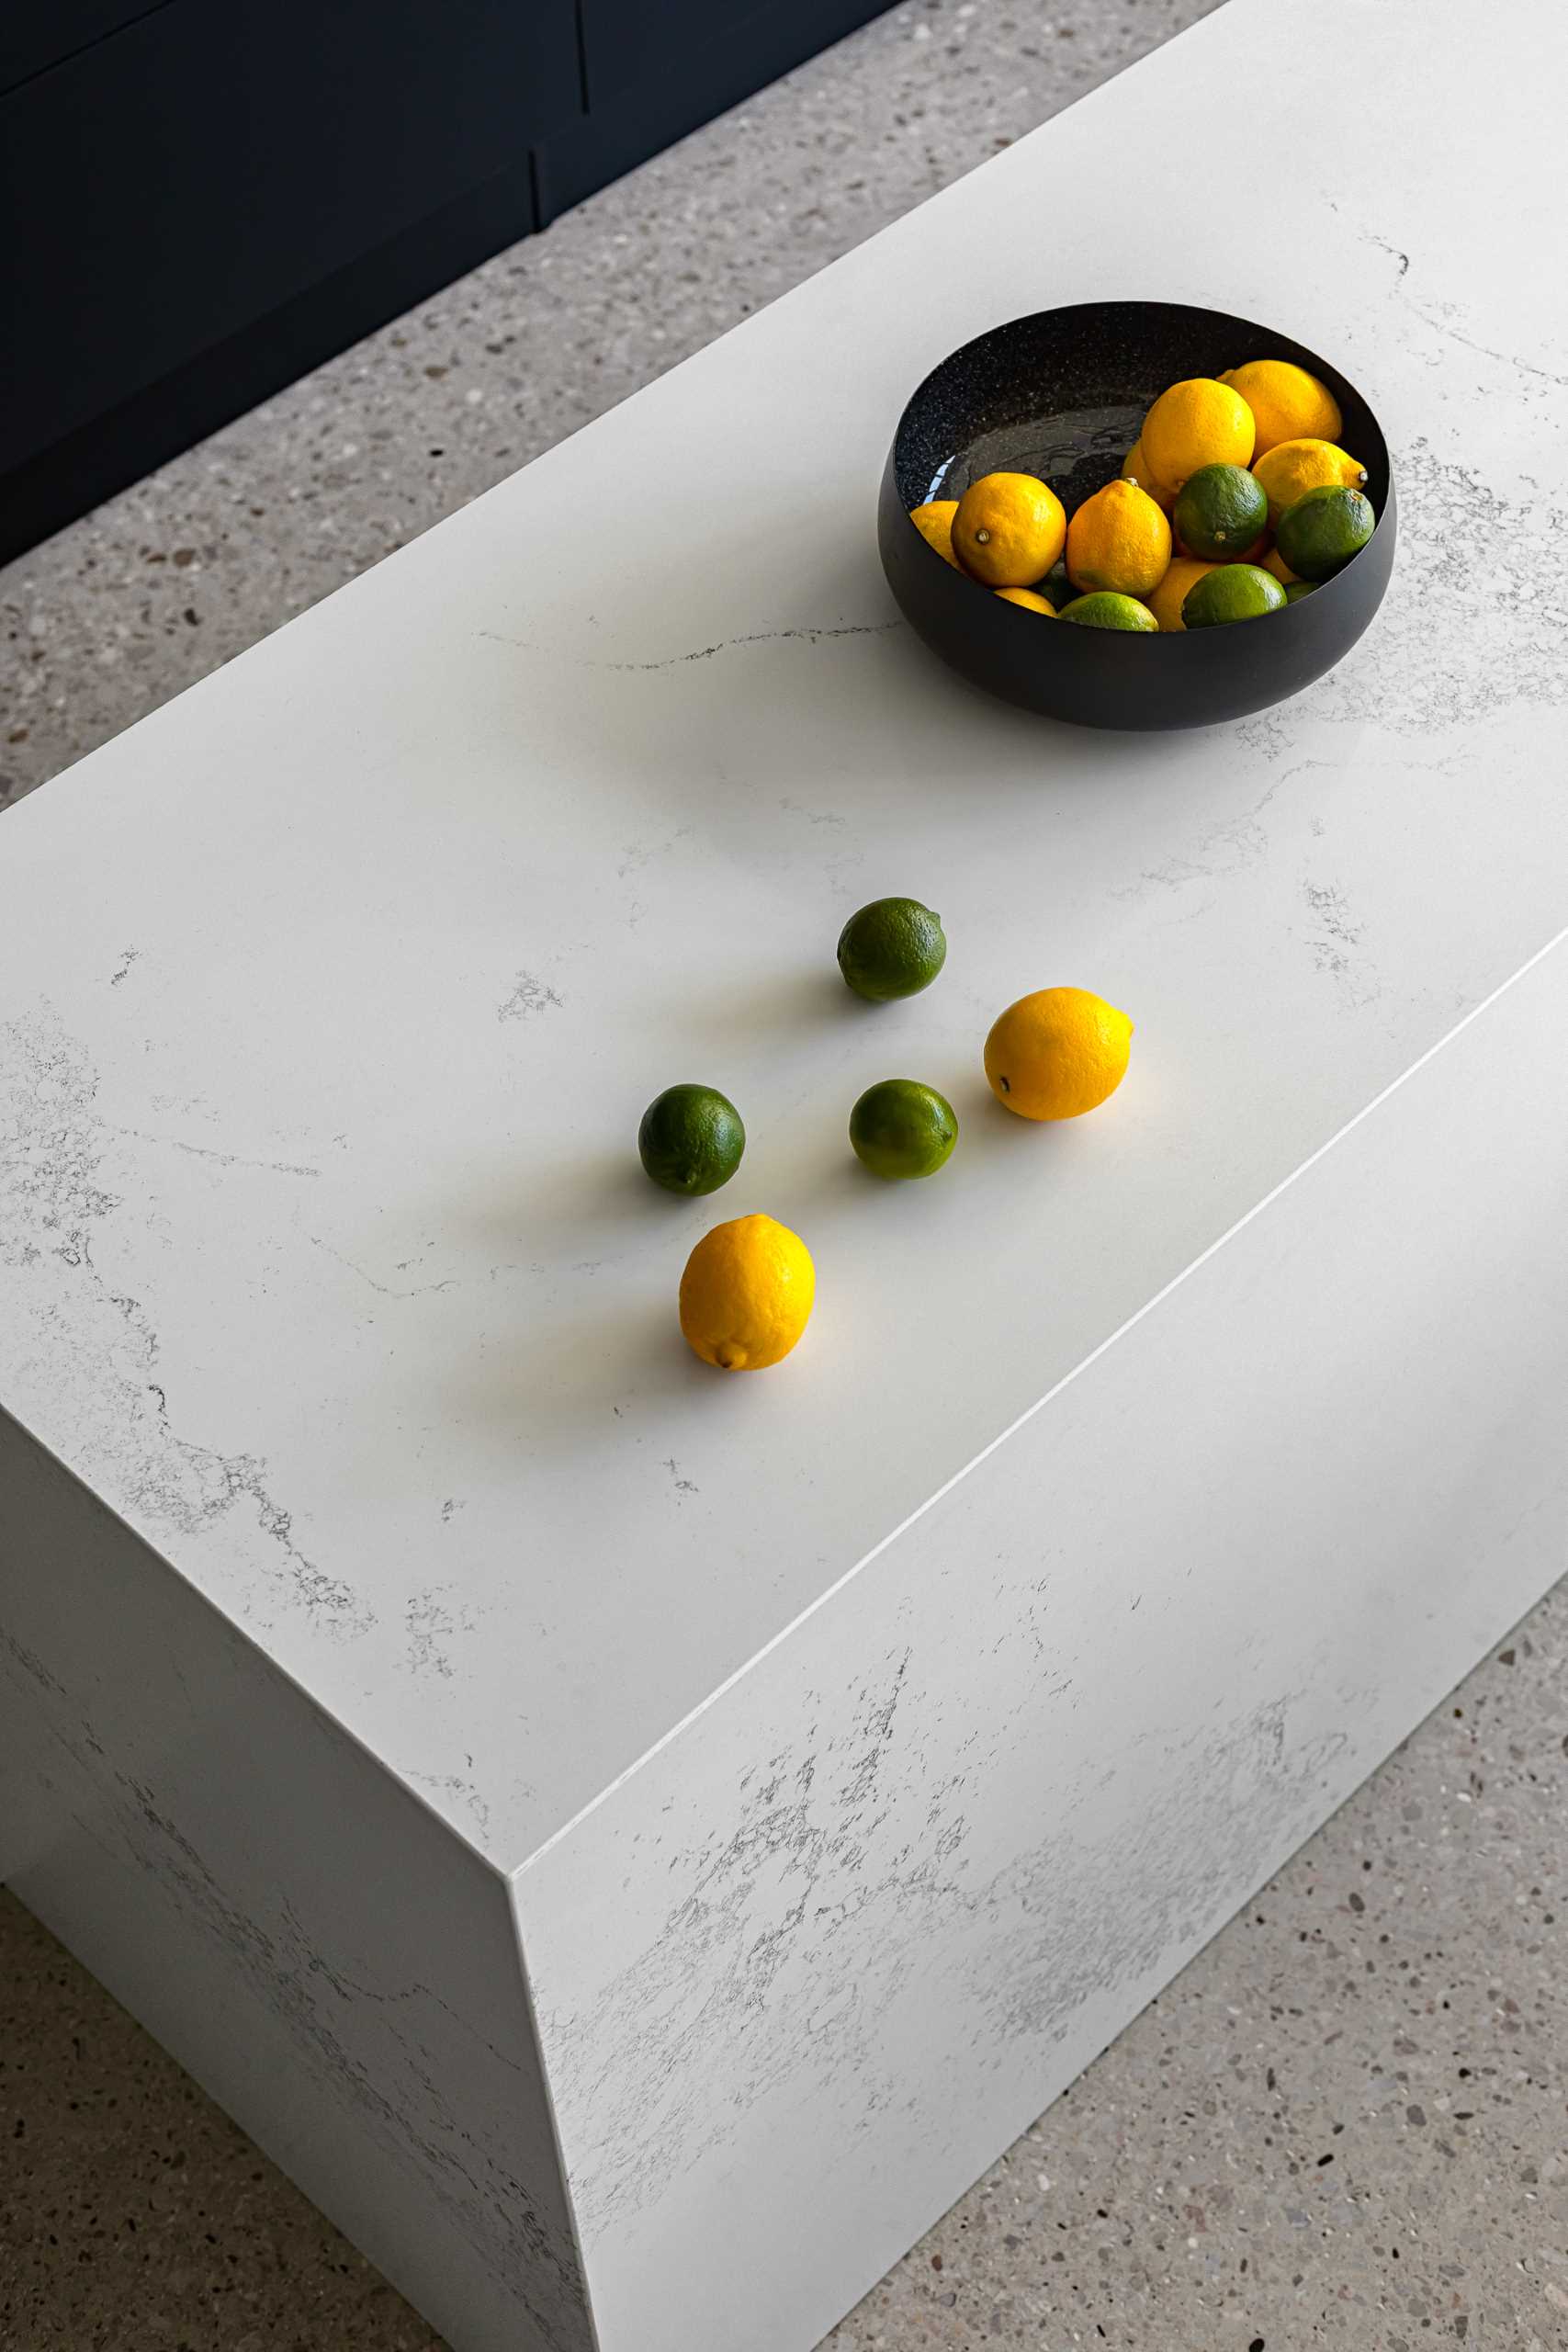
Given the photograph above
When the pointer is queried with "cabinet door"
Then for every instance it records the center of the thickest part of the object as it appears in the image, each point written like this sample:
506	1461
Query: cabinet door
173	184
652	73
39	33
626	41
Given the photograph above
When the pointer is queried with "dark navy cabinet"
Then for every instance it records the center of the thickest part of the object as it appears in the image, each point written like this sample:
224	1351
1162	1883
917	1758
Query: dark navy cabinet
34	37
652	73
205	197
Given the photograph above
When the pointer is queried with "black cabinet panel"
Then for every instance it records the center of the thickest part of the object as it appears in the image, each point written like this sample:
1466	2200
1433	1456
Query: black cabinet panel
175	183
654	72
203	198
141	429
35	34
624	40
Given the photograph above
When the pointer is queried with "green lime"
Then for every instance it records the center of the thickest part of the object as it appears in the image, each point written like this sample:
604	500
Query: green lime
1296	589
691	1139
1324	529
1057	588
901	1128
1236	591
893	947
1221	511
1105	609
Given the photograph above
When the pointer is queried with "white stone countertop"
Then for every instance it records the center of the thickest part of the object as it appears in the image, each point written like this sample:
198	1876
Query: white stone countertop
330	996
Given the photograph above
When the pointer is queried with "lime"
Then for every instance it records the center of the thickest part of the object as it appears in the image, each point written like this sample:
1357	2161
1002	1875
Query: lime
691	1139
893	947
1323	530
901	1128
1231	591
1057	588
1165	604
1221	511
1105	609
1296	589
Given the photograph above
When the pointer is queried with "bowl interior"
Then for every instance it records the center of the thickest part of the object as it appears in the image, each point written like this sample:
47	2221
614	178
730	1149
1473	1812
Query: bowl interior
1063	393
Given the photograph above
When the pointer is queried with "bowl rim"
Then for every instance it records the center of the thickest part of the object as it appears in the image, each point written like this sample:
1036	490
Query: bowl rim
1197	311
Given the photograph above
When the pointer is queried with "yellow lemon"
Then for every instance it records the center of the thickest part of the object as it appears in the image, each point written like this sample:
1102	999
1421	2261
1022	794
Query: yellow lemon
1119	540
746	1294
1198	423
1293	467
1136	468
1165	602
934	523
1057	1053
1287	404
1008	531
1275	563
1027	598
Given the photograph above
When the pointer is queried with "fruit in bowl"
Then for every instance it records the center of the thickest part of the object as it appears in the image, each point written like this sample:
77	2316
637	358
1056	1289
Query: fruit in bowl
1236	474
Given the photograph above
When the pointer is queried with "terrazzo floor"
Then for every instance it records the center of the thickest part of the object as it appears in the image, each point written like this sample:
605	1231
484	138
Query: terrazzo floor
1346	2122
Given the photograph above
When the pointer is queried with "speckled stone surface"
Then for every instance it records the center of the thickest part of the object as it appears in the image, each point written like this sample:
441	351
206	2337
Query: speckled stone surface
134	2216
1178	2195
1346	2124
133	604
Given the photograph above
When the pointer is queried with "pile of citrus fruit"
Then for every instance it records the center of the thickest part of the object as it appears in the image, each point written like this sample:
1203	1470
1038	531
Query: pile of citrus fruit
1235	500
746	1292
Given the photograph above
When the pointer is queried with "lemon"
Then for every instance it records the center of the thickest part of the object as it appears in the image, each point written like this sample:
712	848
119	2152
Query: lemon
1185	573
746	1294
1231	591
1199	423
934	523
1057	1054
1287	404
1136	468
1103	609
1275	563
1027	598
1008	531
1293	467
1119	541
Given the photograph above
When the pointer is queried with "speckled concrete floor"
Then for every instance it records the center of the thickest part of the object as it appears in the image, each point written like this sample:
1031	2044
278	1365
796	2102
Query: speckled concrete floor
1346	2123
163	584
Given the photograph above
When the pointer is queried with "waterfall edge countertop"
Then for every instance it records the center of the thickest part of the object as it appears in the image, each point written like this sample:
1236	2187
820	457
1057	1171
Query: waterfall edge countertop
330	995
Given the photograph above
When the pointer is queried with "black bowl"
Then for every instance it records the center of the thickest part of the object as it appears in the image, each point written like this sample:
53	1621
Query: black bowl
1062	394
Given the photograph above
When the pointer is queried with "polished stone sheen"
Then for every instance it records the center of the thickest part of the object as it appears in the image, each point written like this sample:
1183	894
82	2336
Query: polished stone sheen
178	575
786	1785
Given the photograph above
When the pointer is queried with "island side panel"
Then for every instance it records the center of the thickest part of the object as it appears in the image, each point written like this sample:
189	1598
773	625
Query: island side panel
822	1957
333	1965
